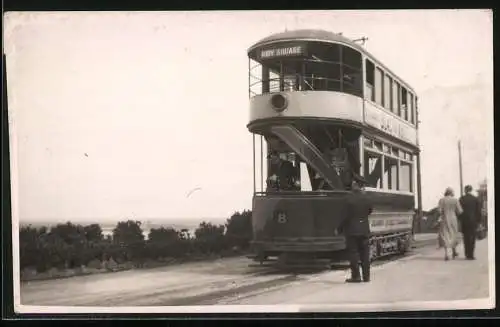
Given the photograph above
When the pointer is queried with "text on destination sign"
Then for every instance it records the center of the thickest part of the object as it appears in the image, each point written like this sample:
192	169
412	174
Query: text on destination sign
281	52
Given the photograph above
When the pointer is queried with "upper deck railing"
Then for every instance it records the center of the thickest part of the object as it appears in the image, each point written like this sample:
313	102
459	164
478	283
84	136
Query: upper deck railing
323	76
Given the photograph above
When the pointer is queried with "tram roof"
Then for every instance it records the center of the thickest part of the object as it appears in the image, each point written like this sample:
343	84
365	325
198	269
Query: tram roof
324	36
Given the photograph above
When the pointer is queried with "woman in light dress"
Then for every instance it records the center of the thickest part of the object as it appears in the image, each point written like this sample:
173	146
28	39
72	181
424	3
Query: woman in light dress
449	209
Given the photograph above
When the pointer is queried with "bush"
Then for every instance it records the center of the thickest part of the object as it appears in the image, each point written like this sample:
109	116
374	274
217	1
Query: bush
128	235
70	246
239	231
163	242
209	238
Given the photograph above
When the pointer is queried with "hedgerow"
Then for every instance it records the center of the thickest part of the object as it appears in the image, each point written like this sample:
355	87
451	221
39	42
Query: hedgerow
69	246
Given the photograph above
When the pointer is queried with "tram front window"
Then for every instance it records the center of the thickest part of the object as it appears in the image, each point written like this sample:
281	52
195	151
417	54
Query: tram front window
325	67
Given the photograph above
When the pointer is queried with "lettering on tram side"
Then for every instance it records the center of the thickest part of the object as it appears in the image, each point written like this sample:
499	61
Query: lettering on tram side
389	124
295	50
387	223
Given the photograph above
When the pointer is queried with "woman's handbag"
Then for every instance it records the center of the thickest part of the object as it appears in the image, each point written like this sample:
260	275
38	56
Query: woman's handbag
480	232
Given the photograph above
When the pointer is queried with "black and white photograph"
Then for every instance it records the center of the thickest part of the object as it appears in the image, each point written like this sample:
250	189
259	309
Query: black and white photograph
251	161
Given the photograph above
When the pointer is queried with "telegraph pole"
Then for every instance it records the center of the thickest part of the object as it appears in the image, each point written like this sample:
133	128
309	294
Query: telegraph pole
418	217
460	167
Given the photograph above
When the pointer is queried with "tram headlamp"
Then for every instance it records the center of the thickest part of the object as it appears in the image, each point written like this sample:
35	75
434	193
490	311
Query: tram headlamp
279	102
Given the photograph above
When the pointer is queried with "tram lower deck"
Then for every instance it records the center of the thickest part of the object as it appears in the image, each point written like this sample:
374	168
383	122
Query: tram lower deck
298	216
308	225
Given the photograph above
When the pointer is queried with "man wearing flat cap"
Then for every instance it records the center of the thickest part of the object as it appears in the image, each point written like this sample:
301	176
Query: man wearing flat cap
469	220
356	229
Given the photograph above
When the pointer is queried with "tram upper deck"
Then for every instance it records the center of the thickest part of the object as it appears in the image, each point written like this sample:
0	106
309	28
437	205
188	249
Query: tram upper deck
319	75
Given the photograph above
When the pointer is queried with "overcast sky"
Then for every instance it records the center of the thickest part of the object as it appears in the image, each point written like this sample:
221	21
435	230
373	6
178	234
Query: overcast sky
120	115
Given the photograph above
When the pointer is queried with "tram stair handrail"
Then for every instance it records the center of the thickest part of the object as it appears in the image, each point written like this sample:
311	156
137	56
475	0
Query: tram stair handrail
308	152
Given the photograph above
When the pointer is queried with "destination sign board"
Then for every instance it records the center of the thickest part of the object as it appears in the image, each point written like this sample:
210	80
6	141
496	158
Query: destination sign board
288	50
390	124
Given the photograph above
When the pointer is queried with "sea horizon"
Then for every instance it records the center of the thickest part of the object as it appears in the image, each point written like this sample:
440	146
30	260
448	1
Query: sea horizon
146	224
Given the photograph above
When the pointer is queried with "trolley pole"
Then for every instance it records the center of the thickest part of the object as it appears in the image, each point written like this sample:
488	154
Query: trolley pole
460	167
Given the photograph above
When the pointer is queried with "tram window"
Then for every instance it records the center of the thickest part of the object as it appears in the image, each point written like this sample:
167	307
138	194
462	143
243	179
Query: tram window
351	71
373	169
370	80
395	98
405	181
368	142
404	104
388	92
274	81
351	81
395	152
410	107
305	181
325	52
351	57
415	110
322	76
379	87
292	71
391	173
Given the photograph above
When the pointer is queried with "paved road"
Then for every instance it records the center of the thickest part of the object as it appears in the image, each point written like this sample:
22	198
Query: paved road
421	277
222	281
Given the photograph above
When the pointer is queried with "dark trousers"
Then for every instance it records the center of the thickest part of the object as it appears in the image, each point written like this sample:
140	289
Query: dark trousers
469	234
359	251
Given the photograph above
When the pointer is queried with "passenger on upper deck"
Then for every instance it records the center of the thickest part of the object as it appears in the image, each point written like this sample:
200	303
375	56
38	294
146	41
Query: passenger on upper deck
284	176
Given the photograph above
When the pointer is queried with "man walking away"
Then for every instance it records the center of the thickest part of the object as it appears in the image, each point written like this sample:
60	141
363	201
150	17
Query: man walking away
357	232
469	220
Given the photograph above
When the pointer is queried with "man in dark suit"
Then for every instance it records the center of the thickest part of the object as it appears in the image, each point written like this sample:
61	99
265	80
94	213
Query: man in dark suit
356	229
285	175
469	220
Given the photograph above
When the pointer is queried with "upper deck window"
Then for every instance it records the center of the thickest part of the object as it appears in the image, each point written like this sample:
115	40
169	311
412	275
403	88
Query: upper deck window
395	98
410	108
317	66
404	103
379	86
388	92
370	80
352	76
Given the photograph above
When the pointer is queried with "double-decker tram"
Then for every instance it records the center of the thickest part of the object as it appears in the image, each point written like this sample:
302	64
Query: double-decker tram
323	111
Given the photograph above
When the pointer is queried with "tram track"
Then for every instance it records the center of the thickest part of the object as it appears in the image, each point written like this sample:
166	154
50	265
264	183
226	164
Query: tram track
221	282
